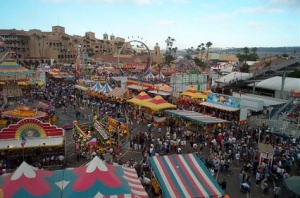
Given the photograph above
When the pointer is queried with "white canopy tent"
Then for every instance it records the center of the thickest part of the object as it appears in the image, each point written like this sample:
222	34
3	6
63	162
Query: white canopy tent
274	83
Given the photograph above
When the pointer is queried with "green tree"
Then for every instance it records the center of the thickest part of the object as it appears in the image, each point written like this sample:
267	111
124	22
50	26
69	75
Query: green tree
168	59
200	63
295	74
248	55
245	68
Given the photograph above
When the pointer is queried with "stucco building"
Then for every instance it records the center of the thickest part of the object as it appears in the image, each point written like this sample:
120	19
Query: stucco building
38	46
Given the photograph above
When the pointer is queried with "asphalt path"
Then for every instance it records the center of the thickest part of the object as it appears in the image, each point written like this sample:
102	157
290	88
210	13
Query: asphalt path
233	188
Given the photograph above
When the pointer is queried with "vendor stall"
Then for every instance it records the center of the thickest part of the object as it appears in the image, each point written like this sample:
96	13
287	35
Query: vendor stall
225	107
158	103
183	175
140	99
193	93
31	138
265	153
119	92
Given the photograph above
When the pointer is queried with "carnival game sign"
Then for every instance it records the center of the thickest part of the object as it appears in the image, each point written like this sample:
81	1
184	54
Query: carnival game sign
224	100
134	66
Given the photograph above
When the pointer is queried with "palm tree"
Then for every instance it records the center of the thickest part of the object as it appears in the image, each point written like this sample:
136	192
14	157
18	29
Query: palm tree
34	35
65	40
43	44
174	51
208	45
169	43
202	50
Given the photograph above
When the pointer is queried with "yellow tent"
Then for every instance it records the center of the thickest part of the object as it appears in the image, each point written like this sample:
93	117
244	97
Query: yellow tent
158	103
140	99
193	93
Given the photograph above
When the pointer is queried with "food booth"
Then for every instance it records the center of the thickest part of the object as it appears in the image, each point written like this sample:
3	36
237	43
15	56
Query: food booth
265	153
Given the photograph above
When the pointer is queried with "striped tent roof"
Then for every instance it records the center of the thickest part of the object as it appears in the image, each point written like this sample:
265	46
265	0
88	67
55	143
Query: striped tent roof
97	87
160	76
140	99
158	103
196	117
118	92
150	76
106	88
184	175
95	179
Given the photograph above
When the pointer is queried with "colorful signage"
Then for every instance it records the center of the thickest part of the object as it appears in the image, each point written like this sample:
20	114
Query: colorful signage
224	100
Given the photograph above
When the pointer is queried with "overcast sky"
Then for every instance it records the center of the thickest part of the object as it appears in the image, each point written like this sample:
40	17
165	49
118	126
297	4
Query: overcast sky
225	23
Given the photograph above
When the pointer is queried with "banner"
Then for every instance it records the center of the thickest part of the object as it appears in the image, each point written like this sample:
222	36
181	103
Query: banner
224	100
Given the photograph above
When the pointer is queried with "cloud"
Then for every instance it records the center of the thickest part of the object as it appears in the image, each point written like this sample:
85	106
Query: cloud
140	2
208	19
262	10
257	25
166	22
285	3
291	25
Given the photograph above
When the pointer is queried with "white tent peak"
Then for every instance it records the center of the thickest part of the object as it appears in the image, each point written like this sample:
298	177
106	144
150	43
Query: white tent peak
24	169
96	163
97	87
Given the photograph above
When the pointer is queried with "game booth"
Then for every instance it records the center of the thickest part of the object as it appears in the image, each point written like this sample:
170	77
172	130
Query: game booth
183	175
195	122
265	153
33	141
225	107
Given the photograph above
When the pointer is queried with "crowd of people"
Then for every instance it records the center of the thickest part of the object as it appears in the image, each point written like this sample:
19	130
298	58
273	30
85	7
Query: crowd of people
230	145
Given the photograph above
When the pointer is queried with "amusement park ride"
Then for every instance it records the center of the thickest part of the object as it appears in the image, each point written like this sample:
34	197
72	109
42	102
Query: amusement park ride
129	70
12	75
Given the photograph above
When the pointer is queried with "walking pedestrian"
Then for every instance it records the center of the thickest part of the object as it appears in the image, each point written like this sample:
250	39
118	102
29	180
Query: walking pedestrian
276	191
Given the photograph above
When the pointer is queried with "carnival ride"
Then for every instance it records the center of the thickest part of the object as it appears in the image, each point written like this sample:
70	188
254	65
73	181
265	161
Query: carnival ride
132	70
12	76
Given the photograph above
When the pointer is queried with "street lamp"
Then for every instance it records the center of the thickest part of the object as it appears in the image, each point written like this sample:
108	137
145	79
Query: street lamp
270	108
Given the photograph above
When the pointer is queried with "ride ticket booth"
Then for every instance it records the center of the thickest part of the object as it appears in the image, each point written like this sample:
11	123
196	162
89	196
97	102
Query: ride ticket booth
265	153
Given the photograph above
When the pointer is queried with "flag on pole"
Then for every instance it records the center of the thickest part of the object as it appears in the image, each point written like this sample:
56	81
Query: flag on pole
92	141
23	142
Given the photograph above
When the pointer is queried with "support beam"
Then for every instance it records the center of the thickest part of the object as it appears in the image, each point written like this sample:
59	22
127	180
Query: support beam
253	88
282	85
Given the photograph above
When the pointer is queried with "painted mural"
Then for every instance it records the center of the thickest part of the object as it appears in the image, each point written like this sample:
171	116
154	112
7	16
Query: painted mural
224	100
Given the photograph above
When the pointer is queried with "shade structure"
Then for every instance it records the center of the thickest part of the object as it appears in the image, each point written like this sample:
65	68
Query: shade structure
98	179
97	87
160	76
158	103
27	182
106	89
219	106
293	184
196	117
150	76
193	93
95	179
184	175
46	68
10	70
11	67
140	99
118	92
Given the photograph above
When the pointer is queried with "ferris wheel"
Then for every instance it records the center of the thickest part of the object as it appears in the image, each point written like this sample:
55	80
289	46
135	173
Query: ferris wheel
133	69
